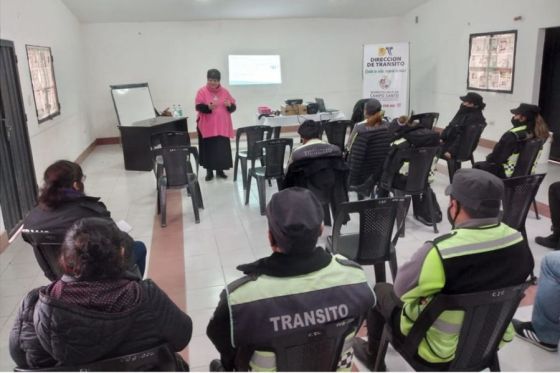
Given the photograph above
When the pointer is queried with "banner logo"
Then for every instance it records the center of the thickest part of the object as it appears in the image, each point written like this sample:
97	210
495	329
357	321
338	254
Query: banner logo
385	51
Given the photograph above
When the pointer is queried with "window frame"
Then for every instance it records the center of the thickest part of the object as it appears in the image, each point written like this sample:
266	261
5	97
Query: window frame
35	84
487	68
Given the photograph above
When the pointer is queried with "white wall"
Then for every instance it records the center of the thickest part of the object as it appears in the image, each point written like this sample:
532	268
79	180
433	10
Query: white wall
320	58
439	53
50	23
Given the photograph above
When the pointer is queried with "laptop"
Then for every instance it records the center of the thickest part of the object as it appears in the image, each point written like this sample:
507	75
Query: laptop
321	105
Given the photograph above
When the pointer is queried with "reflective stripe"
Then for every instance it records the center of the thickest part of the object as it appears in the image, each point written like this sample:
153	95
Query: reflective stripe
348	342
399	141
404	168
263	360
482	246
446	327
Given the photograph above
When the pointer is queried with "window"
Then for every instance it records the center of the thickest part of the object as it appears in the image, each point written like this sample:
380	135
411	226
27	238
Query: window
42	79
492	61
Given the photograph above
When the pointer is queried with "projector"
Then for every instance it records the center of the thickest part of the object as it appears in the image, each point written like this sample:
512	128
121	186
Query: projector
294	101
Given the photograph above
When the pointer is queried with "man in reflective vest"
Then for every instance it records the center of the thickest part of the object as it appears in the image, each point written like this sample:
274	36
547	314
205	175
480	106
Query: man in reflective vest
479	254
298	290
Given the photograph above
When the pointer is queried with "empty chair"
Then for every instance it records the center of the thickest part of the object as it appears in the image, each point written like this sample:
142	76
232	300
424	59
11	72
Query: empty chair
274	156
253	134
520	192
468	141
160	358
366	159
427	120
374	243
336	132
420	163
177	174
487	314
170	138
325	177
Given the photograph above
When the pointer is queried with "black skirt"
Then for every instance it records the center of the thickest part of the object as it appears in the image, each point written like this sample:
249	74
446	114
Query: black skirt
215	152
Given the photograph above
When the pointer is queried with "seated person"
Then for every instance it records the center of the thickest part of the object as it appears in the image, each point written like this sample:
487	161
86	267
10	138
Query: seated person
395	170
312	145
62	201
527	124
373	114
298	278
553	241
544	328
94	312
470	112
479	254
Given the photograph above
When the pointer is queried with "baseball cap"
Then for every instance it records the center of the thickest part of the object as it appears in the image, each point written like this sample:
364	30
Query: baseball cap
372	106
477	189
528	110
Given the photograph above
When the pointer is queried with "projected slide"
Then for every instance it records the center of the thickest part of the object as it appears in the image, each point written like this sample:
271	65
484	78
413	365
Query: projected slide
247	69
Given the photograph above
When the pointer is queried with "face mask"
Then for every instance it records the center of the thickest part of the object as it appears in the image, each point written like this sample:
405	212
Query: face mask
515	122
453	218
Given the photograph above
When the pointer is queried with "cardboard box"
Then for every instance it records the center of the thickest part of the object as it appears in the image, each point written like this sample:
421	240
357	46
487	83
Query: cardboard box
293	109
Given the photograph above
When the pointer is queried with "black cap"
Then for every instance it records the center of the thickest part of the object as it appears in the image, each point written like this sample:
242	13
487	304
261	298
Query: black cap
310	129
372	106
478	190
213	74
527	110
474	98
294	218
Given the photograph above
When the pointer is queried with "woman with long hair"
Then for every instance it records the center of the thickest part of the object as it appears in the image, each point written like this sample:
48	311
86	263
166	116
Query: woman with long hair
527	124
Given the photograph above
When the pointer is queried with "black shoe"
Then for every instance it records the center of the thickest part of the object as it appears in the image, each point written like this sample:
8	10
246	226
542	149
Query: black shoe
552	241
525	331
221	175
362	353
216	366
209	175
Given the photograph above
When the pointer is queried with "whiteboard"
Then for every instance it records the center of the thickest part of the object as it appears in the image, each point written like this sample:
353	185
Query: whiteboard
133	103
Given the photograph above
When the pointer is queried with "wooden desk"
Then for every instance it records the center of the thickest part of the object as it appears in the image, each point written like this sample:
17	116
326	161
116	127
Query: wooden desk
135	140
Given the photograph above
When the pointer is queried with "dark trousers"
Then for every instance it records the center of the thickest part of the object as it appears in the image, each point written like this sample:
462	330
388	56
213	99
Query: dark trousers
386	311
554	204
139	251
493	168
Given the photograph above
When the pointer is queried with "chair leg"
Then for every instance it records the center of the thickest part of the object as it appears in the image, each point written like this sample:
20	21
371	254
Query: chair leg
235	166
163	204
244	171
262	194
200	202
393	265
248	189
327	215
495	366
194	200
472	160
536	209
428	194
380	273
380	357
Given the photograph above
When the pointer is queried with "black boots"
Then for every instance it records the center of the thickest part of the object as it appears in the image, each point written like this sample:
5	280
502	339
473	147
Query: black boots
209	175
552	241
220	174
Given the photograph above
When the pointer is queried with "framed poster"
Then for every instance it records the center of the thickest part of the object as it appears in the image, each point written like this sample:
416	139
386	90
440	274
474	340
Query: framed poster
492	61
45	93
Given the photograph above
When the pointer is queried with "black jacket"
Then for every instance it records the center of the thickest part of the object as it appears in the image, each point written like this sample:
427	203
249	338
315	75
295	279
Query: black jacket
367	155
451	135
509	143
48	332
73	208
276	265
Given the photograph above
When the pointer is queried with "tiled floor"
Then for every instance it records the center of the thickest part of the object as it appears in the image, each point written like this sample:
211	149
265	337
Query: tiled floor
229	234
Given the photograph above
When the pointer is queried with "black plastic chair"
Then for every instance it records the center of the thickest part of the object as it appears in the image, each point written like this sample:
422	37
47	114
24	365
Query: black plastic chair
468	141
177	174
420	164
46	247
487	316
519	193
366	159
358	110
316	350
253	152
166	139
426	120
160	358
527	161
336	132
274	156
374	244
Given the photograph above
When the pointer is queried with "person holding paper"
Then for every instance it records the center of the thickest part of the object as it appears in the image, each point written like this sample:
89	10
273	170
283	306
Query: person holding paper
214	105
62	201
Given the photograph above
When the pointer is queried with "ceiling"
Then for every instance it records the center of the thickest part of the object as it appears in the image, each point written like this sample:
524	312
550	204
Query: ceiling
94	11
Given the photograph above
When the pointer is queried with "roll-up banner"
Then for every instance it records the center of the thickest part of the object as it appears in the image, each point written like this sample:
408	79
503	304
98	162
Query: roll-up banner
385	76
